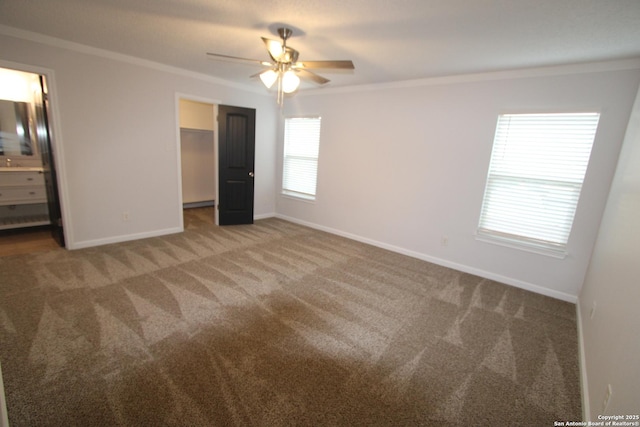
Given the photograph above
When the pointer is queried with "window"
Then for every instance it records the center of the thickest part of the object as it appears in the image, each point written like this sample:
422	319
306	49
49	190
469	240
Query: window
537	167
301	145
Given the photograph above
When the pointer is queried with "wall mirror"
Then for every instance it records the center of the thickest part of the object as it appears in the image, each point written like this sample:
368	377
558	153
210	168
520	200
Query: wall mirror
15	129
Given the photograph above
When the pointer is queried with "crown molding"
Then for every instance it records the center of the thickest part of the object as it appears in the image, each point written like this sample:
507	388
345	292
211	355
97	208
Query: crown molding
520	73
103	53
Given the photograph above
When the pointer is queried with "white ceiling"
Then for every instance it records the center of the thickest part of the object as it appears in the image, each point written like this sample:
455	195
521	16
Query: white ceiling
388	40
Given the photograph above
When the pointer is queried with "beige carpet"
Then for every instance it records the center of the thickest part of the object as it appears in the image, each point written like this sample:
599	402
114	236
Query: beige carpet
275	324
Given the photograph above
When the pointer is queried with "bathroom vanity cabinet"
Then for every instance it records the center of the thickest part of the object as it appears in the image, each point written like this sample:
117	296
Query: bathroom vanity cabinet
23	198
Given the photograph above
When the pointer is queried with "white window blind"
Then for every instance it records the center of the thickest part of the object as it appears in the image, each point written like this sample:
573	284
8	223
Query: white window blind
537	167
301	146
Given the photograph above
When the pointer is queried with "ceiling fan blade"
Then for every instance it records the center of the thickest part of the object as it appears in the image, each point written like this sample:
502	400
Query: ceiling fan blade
274	48
312	76
292	55
238	59
277	53
346	65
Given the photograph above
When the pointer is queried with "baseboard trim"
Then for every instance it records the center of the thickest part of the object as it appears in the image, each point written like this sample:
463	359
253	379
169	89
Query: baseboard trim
582	364
125	238
264	216
4	416
439	261
137	236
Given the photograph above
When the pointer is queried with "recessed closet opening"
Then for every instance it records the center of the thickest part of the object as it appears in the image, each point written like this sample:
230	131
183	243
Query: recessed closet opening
198	159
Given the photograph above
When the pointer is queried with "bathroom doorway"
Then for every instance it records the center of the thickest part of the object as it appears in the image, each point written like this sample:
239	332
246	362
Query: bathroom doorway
30	214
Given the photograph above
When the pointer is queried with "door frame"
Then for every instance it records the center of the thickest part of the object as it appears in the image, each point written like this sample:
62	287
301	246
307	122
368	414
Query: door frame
55	140
215	103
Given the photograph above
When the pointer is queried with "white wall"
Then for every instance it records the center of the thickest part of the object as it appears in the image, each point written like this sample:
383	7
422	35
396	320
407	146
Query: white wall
405	165
199	165
117	142
611	339
196	115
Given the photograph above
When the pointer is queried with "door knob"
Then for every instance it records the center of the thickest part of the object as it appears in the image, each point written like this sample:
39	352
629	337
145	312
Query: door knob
251	174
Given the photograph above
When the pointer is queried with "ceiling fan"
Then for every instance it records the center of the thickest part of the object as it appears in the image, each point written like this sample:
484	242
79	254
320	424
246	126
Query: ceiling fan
284	67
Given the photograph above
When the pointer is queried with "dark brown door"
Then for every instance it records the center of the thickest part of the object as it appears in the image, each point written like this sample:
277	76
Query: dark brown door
43	134
236	149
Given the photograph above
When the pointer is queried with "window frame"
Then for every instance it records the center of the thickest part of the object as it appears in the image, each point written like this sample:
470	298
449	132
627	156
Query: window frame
557	249
293	193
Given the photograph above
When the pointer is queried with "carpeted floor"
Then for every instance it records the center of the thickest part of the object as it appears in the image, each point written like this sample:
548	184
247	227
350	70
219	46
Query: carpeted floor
275	324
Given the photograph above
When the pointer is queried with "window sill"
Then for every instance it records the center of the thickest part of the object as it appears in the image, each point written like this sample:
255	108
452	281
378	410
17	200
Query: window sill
299	197
523	246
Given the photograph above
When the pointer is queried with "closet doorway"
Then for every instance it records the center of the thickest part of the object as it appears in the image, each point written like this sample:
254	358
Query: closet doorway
198	158
217	159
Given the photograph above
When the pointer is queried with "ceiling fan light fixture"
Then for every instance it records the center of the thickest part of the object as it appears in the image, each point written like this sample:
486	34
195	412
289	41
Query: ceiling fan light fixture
268	78
284	67
274	48
290	81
